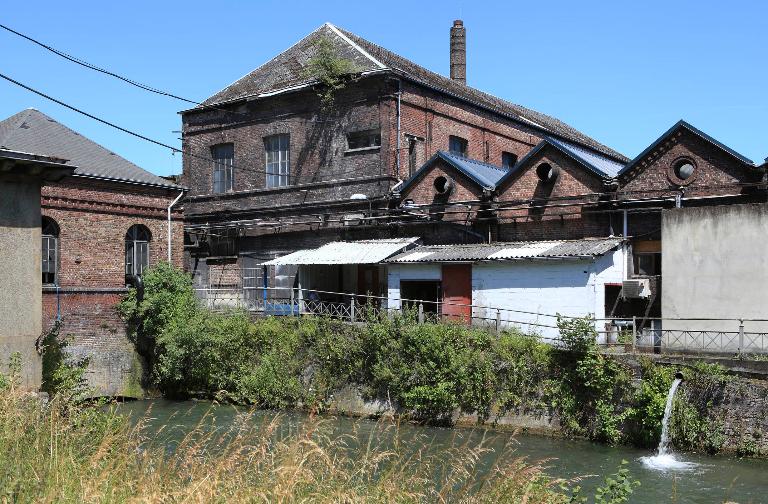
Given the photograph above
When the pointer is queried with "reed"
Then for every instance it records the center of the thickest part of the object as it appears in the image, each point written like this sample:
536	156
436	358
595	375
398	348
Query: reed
54	452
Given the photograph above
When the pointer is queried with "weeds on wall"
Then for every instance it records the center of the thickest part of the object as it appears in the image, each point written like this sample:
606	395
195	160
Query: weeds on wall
330	70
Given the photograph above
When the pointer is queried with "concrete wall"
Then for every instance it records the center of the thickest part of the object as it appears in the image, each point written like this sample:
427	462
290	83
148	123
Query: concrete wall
715	265
20	277
569	287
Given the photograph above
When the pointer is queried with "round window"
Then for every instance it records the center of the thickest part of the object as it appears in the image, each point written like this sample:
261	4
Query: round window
684	170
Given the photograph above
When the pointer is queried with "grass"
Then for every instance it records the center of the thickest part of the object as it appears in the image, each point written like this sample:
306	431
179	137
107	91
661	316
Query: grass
57	452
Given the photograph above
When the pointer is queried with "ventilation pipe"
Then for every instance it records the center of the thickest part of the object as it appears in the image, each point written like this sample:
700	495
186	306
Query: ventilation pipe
459	52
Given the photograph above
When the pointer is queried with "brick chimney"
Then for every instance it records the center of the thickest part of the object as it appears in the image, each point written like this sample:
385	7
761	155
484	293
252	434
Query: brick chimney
459	52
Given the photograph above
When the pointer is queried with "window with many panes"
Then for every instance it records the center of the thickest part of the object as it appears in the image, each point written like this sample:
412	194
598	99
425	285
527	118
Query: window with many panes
50	232
368	139
223	167
278	162
137	250
457	145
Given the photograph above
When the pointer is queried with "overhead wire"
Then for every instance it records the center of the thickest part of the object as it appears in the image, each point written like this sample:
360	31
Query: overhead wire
151	140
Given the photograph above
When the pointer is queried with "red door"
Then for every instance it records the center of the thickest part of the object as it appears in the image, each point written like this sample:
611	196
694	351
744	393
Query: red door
457	292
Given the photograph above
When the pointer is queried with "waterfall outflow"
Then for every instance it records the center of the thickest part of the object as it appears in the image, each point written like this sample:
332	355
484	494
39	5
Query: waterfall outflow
664	443
664	460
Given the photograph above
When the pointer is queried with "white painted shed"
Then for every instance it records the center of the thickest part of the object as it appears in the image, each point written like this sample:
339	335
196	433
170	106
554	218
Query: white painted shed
526	282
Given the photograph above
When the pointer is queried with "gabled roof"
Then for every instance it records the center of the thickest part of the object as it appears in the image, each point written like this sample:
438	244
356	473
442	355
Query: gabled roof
560	249
599	165
287	71
484	174
682	124
34	132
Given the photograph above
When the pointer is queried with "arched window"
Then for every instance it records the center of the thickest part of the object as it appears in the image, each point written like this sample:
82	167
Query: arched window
50	251
137	249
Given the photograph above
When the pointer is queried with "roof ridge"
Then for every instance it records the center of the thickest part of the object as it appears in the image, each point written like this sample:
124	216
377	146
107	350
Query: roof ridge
362	51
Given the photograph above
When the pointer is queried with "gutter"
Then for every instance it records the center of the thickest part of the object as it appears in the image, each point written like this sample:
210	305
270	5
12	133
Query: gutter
169	221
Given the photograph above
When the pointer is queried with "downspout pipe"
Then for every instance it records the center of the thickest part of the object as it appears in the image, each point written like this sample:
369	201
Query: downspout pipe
397	149
170	207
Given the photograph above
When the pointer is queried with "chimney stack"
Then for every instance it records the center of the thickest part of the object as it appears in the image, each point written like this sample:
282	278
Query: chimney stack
459	52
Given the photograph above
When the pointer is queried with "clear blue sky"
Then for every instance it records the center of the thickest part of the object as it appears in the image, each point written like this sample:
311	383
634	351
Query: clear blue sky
622	72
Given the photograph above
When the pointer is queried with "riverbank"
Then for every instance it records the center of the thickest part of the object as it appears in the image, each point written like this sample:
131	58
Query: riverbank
437	374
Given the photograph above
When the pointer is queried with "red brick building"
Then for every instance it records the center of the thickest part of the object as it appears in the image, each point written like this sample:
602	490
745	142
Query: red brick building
105	222
271	170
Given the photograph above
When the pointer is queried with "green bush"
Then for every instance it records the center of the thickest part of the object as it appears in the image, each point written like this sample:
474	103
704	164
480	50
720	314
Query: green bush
588	388
649	402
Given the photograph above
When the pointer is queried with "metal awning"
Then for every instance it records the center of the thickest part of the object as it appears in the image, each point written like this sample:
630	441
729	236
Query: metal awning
347	252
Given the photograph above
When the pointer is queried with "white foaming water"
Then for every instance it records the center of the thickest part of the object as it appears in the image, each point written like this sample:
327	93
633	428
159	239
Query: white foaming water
664	460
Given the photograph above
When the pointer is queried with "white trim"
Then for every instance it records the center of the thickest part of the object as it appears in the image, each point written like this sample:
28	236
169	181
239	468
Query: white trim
360	49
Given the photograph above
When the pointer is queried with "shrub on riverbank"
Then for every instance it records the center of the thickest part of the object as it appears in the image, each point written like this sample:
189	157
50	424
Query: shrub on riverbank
429	370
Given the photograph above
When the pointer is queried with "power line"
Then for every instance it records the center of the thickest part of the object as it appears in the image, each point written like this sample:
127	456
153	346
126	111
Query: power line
144	137
90	66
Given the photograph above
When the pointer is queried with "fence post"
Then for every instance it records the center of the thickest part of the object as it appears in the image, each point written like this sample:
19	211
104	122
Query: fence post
293	305
634	334
498	321
741	336
421	313
352	310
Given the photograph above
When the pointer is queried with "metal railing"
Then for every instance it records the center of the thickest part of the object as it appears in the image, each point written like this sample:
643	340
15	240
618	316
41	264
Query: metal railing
636	334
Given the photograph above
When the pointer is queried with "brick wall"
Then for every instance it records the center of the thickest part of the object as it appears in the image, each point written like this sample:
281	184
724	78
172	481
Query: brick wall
713	168
93	218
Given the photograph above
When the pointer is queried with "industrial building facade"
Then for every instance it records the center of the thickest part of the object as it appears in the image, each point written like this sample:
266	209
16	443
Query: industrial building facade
403	152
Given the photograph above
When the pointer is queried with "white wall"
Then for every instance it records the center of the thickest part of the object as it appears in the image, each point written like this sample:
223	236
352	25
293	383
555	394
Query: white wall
569	287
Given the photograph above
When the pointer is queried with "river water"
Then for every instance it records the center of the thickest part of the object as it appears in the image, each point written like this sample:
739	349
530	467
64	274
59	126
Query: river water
703	480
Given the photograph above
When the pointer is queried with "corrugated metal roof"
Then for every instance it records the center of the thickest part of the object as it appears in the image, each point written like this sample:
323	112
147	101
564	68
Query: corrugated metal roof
347	252
508	251
34	132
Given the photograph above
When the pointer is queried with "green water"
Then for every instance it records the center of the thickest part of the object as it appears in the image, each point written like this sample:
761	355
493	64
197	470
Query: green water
710	480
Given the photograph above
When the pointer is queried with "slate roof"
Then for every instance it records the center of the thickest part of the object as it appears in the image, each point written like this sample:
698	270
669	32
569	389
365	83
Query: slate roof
484	174
683	124
287	71
560	249
33	132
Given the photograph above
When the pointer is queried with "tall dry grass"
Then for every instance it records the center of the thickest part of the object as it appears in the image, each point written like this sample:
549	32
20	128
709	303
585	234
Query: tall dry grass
58	453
